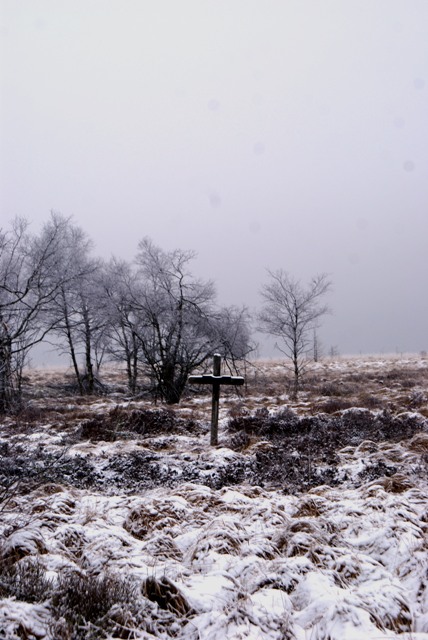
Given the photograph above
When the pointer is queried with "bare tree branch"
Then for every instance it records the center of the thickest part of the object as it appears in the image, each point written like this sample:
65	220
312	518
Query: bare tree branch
291	312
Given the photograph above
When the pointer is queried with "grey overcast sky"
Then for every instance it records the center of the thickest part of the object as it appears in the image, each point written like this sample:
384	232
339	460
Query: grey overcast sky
261	133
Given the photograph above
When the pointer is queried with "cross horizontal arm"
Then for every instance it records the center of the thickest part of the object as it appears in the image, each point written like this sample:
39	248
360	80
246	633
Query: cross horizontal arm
208	378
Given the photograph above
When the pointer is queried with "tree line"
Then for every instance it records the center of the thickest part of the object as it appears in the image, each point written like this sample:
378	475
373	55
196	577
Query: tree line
152	314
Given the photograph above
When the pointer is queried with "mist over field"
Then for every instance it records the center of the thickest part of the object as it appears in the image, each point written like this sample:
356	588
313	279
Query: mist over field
288	135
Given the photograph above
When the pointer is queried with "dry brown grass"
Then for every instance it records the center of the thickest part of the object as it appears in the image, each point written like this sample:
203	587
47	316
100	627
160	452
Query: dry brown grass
309	507
167	595
419	443
354	402
386	382
398	483
378	451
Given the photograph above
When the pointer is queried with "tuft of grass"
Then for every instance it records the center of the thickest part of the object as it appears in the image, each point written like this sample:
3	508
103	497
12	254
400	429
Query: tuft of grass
311	507
397	483
166	595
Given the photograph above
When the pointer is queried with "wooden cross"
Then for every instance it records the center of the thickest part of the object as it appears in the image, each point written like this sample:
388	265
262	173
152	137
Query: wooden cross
216	379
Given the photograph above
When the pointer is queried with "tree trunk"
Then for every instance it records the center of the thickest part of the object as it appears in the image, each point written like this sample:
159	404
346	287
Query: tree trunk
172	385
6	375
89	376
70	341
5	380
296	373
73	356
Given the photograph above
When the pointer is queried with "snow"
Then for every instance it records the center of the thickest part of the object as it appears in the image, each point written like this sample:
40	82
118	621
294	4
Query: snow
247	563
340	563
16	616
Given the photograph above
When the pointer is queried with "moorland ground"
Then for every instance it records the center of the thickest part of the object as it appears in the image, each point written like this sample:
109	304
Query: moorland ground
287	529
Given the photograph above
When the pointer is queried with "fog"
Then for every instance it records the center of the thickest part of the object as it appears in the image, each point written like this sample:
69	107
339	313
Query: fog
263	135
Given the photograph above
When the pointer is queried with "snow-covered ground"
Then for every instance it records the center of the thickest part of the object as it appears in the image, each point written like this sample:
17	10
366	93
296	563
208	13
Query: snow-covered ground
214	559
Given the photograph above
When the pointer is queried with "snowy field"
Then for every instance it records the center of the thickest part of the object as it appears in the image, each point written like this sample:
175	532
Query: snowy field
309	521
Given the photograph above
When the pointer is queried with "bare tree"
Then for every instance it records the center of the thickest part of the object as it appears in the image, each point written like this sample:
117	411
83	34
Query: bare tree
75	314
233	336
83	322
122	328
69	313
292	312
173	318
317	351
173	310
30	265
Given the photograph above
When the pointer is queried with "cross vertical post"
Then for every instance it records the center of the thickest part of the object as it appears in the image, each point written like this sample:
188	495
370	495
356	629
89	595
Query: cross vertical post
215	379
215	399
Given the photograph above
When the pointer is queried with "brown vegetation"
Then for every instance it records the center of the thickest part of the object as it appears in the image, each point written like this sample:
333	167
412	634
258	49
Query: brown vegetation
370	416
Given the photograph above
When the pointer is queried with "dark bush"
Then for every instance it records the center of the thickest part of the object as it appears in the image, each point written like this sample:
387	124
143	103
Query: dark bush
100	427
24	580
293	471
348	428
262	424
86	604
85	597
304	449
376	470
120	422
23	471
139	470
86	607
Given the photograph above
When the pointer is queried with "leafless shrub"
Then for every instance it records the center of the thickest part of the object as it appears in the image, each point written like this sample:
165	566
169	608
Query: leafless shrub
263	424
28	416
98	428
86	606
24	580
373	471
393	374
408	383
22	471
239	441
238	410
305	451
156	421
